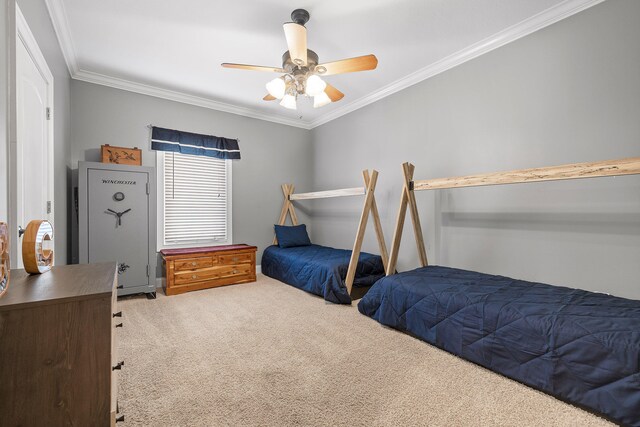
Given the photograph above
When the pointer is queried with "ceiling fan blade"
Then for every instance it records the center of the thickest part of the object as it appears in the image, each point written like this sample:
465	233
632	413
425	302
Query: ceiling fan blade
253	67
296	36
268	97
359	63
333	93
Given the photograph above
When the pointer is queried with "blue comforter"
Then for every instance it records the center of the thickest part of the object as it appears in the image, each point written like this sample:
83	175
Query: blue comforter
320	270
580	346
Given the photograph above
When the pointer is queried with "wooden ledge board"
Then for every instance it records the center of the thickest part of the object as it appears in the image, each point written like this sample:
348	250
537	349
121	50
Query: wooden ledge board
628	166
358	191
370	207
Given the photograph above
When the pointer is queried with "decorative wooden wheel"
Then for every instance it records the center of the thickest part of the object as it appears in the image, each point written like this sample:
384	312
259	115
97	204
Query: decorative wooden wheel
37	247
4	258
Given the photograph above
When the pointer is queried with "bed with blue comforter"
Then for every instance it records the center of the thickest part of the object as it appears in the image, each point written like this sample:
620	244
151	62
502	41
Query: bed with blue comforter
320	270
580	346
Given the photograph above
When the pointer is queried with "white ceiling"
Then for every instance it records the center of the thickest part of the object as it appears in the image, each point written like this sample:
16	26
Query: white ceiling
174	49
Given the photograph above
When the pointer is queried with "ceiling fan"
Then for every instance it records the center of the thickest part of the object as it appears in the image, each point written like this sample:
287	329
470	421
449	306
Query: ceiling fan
302	69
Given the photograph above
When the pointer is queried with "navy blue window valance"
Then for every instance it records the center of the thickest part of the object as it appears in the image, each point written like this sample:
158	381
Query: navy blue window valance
194	144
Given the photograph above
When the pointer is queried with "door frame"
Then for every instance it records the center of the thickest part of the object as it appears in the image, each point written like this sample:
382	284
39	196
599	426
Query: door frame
26	37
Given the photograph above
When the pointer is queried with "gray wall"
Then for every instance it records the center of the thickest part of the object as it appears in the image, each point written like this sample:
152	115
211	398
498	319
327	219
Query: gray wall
272	154
37	16
568	93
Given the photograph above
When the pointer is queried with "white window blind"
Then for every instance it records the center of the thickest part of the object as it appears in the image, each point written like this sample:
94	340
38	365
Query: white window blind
195	199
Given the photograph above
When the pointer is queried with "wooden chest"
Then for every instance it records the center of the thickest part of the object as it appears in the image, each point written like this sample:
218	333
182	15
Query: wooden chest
59	365
200	268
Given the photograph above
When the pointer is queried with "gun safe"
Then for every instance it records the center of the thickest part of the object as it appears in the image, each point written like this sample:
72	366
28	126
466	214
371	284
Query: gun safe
117	222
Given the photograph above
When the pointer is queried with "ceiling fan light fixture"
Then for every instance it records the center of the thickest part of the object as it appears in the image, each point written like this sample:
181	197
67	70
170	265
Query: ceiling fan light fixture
321	100
289	102
301	70
277	88
315	86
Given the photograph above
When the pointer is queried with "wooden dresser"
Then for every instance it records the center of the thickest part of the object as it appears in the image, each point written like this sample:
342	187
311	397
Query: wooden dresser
58	362
199	268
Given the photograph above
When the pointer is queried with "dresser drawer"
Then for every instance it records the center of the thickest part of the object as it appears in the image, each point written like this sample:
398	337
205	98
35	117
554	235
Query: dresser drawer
235	270
193	263
194	276
212	273
235	258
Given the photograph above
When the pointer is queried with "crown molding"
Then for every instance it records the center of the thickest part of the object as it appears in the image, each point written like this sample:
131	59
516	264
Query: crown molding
61	27
530	25
60	22
171	95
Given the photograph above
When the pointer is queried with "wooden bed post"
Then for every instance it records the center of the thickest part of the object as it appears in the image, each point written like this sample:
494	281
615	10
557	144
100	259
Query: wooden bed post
370	206
382	245
362	226
287	208
415	216
620	167
407	199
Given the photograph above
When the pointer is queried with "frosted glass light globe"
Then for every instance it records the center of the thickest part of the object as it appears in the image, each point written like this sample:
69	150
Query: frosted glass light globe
289	101
321	100
276	88
315	85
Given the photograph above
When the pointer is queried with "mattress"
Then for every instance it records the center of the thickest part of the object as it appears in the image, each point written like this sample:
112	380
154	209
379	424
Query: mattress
580	346
320	270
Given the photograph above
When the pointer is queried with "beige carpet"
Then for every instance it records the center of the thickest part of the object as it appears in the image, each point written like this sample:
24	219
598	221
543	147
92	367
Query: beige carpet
267	354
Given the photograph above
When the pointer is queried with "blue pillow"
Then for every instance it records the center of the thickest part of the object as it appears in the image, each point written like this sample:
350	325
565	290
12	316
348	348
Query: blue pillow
290	236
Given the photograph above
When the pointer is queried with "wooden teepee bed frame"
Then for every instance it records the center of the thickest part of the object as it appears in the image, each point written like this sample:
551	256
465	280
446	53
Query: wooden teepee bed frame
370	207
627	166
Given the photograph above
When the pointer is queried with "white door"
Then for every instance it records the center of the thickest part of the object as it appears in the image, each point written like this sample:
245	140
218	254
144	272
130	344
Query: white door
34	134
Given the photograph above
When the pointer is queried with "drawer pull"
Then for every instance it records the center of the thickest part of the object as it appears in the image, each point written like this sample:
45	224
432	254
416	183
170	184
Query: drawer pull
118	366
235	258
120	419
118	314
194	263
194	276
119	325
235	271
120	287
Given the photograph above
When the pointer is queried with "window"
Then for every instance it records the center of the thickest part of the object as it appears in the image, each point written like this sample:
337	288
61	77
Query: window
195	200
